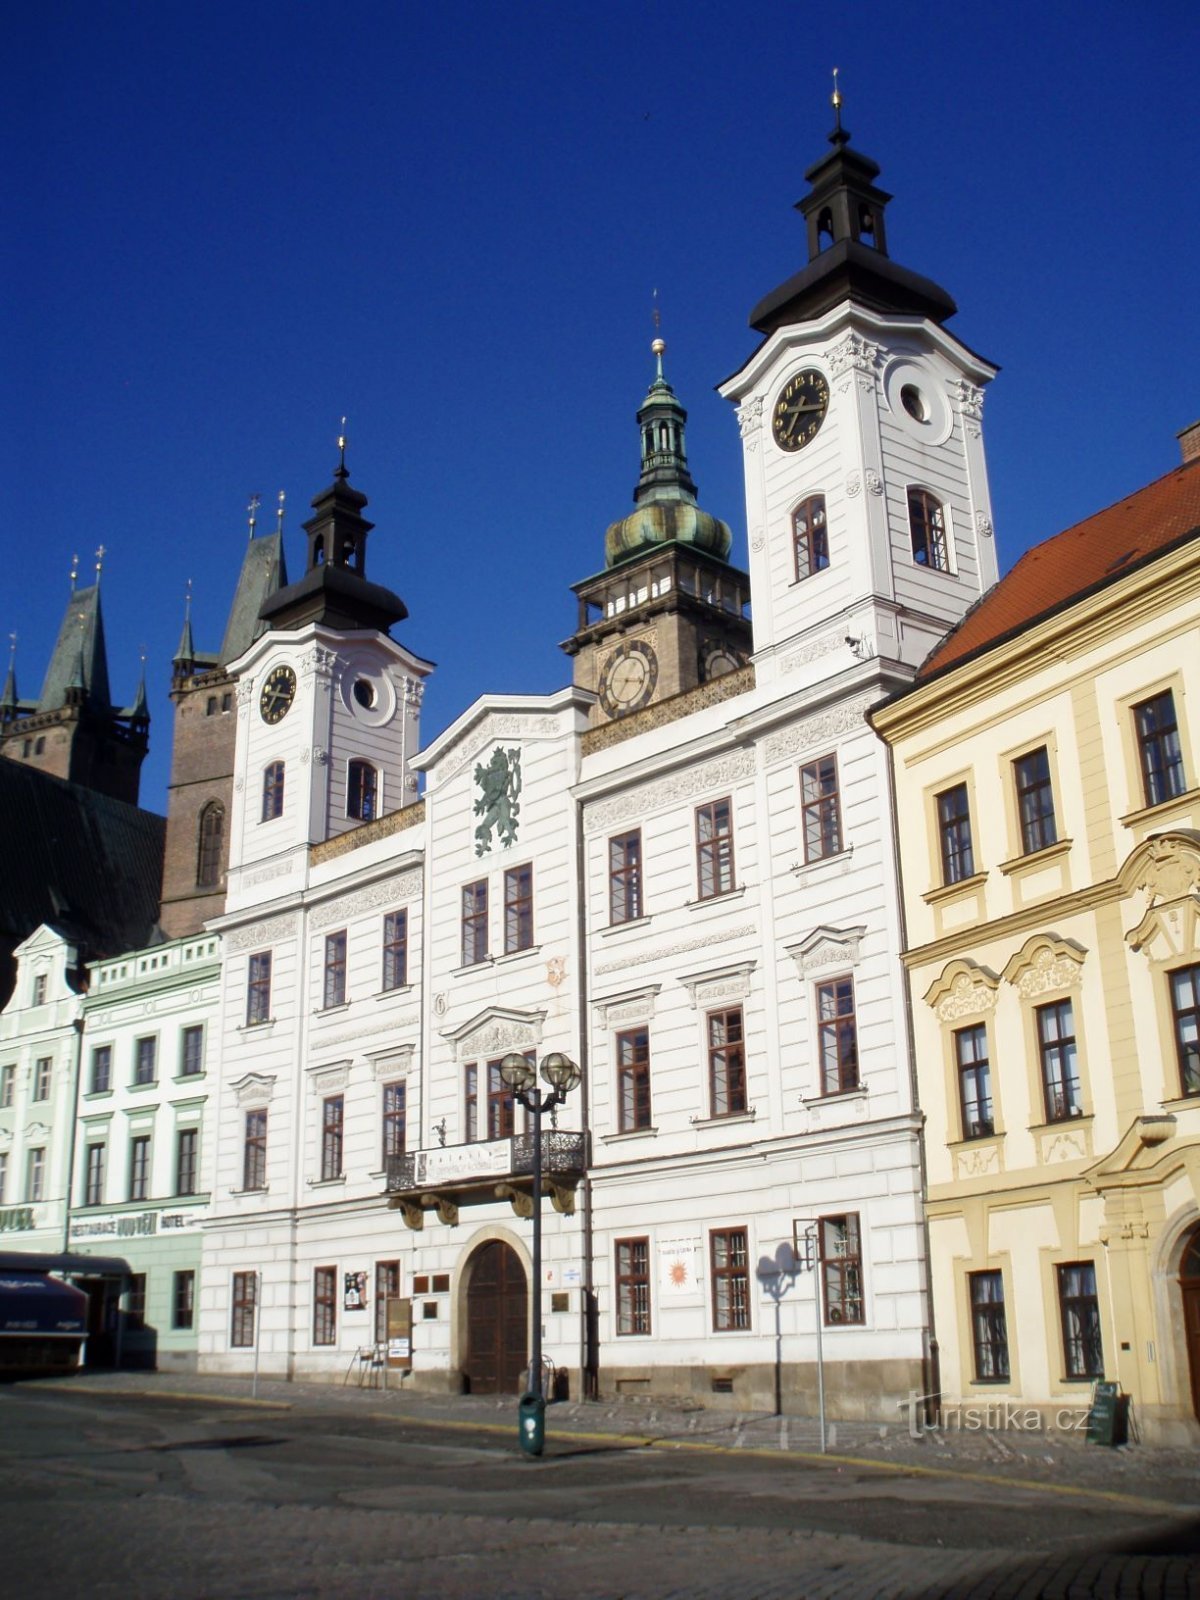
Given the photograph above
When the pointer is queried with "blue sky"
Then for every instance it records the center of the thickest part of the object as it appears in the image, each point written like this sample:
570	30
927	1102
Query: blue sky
229	225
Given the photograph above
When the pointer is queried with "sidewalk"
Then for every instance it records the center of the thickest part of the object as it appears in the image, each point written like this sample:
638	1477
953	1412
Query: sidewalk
1064	1463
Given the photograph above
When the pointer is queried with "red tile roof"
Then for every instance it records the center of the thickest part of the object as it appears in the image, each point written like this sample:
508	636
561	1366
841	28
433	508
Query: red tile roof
1062	569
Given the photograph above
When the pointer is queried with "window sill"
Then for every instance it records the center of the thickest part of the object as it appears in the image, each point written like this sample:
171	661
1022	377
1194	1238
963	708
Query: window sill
1061	1122
189	1077
327	1183
509	956
240	1194
143	1088
1036	858
725	895
628	1133
329	1011
1184	1102
472	966
401	989
950	891
264	1026
841	1096
726	1120
972	1141
804	869
90	1094
1133	819
618	928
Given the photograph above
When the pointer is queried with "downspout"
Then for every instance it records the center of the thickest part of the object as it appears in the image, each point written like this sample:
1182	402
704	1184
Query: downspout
75	1076
588	1321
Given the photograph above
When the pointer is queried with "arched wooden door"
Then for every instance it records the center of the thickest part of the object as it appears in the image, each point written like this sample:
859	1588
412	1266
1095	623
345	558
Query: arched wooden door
497	1321
1189	1288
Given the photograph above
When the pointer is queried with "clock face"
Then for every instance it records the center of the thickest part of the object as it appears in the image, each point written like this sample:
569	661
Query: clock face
277	695
717	661
800	409
629	678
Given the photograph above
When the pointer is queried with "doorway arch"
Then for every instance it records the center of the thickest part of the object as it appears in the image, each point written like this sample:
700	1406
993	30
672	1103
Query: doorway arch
497	1320
1189	1290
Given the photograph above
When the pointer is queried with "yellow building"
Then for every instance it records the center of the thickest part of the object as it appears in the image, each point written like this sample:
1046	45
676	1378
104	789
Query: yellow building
1047	774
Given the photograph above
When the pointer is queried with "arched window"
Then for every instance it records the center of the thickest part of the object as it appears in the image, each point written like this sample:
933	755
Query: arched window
810	536
927	527
362	791
210	836
272	799
825	229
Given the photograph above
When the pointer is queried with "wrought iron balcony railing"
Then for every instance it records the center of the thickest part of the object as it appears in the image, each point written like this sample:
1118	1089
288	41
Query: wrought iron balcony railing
564	1155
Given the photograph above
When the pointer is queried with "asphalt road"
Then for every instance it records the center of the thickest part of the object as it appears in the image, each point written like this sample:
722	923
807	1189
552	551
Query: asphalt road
135	1496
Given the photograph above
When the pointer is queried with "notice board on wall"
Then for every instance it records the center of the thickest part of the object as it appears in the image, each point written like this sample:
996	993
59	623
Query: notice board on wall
399	1334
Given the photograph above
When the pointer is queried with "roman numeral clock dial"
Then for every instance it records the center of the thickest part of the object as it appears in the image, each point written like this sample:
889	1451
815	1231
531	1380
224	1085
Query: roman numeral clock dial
800	409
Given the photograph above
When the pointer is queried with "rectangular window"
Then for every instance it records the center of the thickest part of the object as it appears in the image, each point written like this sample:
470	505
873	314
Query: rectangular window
1035	801
1159	748
254	1150
333	1127
8	1086
633	1079
387	1287
102	1069
954	834
272	792
518	909
35	1175
325	1305
633	1286
625	877
394	1113
93	1182
139	1167
183	1300
822	808
989	1331
3	1176
244	1307
187	1149
810	537
471	1103
474	923
501	1106
974	1081
145	1060
191	1052
258	989
841	1269
395	950
730	1279
41	1078
726	1062
1060	1071
714	849
1079	1309
135	1304
837	1036
39	989
1185	1008
335	970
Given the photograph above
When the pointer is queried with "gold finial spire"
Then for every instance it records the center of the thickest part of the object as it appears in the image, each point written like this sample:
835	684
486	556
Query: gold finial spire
252	508
74	571
342	473
658	344
837	103
187	602
279	512
12	649
100	554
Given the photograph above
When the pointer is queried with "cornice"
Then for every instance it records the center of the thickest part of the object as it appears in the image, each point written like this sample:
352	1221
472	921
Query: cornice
1036	916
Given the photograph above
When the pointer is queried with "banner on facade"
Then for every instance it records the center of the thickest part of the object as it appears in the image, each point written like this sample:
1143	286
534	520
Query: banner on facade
354	1297
680	1267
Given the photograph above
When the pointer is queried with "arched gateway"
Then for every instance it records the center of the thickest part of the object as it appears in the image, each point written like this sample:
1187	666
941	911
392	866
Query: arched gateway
1189	1288
497	1320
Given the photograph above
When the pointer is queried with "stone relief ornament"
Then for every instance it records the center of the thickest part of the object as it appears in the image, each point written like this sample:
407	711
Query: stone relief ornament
245	693
239	784
854	483
670	791
978	1162
404	886
320	662
819	730
854	354
983	525
495	728
255	1089
1063	1147
757	539
414	692
749	416
970	400
964	989
873	481
1043	964
328	1080
256	934
1164	868
556	971
500	785
744	931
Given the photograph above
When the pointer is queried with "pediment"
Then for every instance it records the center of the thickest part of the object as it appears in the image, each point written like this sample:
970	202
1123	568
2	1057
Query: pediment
495	1031
963	989
1164	867
1045	963
1169	931
255	1089
827	947
1137	1153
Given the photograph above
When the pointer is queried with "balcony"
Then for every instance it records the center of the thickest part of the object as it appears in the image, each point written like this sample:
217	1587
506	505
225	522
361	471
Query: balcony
447	1177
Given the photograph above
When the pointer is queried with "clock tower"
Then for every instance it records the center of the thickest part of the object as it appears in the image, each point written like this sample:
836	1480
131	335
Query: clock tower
668	612
868	512
328	705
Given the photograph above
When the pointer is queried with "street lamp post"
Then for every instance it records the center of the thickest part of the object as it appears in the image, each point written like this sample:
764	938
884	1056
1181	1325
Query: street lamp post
518	1073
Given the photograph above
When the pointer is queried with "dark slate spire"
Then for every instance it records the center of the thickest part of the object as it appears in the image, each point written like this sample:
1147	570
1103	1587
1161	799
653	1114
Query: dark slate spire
139	712
9	704
334	589
80	660
665	495
185	657
263	575
847	247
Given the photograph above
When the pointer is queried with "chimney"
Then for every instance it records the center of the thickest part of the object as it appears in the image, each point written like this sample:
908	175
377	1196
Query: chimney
1189	442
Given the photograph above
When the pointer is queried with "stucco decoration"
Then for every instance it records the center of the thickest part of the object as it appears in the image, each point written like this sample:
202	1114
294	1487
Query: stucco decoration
498	801
403	886
827	947
855	354
821	730
749	416
710	777
964	989
1045	963
723	936
1165	870
1064	1145
257	934
725	983
978	1161
495	727
392	1063
634	1005
255	1089
494	1032
328	1080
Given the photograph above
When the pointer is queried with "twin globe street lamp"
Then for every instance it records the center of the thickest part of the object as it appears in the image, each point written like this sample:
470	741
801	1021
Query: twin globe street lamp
517	1073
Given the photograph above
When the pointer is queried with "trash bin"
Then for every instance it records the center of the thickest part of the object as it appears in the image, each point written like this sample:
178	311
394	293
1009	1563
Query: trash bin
531	1423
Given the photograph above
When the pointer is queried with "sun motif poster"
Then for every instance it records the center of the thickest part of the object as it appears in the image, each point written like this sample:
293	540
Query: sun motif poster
680	1274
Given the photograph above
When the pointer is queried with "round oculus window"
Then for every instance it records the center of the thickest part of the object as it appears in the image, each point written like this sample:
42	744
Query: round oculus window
913	402
364	692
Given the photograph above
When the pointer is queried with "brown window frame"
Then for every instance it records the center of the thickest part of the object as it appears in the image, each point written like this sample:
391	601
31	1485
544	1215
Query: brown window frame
395	950
989	1326
927	530
258	989
726	1062
833	1032
821	808
733	1273
254	1150
243	1311
210	840
1034	787
625	877
715	873
518	909
474	922
93	1173
632	1051
324	1326
333	1137
272	790
631	1258
187	1160
843	1296
973	1067
362	790
387	1287
395	1119
1079	1319
810	537
183	1299
1185	1027
1160	753
333	992
191	1062
139	1167
956	843
1058	1060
